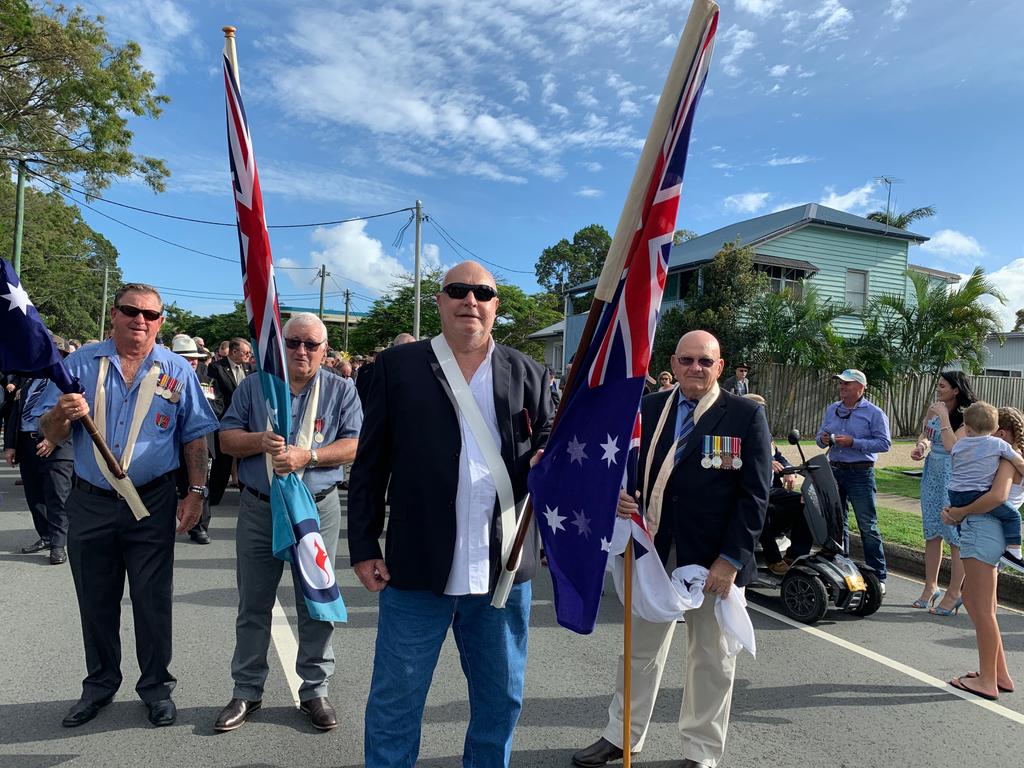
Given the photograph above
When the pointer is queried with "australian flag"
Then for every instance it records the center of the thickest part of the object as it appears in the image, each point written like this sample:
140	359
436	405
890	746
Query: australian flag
25	345
575	486
297	536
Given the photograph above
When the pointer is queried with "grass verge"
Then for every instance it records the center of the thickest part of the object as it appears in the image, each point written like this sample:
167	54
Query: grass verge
897	527
892	480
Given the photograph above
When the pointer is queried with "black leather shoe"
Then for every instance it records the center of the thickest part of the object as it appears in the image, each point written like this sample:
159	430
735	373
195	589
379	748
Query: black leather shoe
38	546
688	763
58	555
199	537
162	712
601	752
83	711
321	713
235	714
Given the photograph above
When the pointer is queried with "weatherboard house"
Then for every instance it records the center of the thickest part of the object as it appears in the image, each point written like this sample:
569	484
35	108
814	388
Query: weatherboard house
846	258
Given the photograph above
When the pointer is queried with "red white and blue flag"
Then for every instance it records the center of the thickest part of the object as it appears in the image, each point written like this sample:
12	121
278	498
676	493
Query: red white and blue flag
575	486
296	522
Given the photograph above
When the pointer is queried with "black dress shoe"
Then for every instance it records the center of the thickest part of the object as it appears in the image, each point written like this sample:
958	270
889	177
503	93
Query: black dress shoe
321	713
688	763
235	714
199	537
83	711
601	752
58	555
38	546
162	712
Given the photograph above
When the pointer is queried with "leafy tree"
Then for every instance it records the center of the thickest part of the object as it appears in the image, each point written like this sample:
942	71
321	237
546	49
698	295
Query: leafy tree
566	264
1018	325
62	261
68	94
520	315
178	320
902	220
221	327
682	235
717	303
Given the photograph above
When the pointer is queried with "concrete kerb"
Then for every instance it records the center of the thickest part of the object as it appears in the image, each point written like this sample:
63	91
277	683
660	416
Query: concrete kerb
910	562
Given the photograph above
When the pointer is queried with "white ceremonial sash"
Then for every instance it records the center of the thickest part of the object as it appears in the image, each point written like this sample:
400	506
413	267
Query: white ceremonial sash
144	399
470	411
304	438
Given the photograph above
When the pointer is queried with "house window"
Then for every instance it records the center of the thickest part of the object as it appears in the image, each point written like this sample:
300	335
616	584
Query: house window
677	285
783	278
856	288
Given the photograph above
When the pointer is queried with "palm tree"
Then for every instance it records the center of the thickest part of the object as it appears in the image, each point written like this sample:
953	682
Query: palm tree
902	220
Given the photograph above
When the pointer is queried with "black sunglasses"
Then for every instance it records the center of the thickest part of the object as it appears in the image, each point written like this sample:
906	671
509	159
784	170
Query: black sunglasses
129	311
311	346
686	362
460	290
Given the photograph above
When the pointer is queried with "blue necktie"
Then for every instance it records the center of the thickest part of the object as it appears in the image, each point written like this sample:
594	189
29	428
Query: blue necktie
686	427
32	394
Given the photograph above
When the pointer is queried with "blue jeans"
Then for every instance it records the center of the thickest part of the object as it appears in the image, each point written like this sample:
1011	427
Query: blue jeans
1007	516
411	628
858	487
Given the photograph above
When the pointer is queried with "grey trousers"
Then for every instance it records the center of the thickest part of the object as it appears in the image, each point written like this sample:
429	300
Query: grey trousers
258	575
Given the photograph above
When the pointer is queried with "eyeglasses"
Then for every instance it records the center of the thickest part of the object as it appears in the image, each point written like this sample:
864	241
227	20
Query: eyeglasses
480	292
704	362
311	346
128	310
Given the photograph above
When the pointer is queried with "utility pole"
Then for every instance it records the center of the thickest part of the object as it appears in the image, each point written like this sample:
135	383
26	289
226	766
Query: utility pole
103	306
416	289
323	275
19	214
348	297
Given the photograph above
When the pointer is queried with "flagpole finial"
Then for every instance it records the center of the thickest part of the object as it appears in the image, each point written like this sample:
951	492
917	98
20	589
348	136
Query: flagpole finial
229	31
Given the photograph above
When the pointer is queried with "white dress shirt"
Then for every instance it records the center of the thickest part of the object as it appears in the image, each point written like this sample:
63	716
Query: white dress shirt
474	501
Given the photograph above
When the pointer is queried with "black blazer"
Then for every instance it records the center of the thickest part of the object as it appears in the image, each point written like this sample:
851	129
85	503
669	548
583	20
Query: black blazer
364	379
409	455
711	512
223	379
62	452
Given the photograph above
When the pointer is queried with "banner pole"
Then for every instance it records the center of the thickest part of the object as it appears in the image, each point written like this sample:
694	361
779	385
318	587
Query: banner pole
627	654
232	53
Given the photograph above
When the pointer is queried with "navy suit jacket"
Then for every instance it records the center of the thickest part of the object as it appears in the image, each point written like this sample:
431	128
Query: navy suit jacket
711	512
408	456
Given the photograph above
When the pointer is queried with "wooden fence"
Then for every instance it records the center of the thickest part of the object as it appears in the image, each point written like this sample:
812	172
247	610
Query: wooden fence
797	397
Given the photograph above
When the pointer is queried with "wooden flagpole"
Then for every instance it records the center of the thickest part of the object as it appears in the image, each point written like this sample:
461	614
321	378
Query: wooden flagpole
231	52
627	652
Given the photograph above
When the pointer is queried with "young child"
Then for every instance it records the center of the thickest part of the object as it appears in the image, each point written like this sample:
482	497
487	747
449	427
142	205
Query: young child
975	461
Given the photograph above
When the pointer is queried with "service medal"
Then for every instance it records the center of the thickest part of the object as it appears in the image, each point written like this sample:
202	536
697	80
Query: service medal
706	460
716	461
726	453
737	462
318	437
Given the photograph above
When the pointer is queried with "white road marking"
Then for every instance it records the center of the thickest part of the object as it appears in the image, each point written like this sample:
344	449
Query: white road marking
287	647
921	677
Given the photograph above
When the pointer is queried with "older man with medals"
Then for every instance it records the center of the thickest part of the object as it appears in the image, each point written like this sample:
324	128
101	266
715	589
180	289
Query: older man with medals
147	403
326	418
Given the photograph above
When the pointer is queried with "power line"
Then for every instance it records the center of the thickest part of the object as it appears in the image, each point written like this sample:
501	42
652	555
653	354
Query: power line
457	245
192	220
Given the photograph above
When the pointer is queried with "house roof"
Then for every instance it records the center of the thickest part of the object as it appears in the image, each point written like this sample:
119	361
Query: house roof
949	277
555	329
701	250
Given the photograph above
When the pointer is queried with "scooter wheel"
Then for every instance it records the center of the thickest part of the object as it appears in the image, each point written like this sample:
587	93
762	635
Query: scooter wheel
804	597
872	597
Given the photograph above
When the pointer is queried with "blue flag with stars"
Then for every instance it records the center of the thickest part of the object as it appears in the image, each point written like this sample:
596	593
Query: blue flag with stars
25	345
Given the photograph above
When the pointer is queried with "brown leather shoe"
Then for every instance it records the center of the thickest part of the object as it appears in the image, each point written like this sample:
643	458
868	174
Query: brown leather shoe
321	713
780	568
601	752
235	714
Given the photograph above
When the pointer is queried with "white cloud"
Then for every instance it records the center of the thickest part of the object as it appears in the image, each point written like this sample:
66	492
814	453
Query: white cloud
775	160
589	192
833	19
669	41
593	167
792	19
585	96
779	70
757	7
739	41
347	250
897	9
856	201
950	244
747	202
774	89
1010	282
157	25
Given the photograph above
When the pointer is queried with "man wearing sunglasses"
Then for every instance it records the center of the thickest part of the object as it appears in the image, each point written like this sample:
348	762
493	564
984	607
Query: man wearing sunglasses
445	456
227	373
857	431
153	407
713	512
325	423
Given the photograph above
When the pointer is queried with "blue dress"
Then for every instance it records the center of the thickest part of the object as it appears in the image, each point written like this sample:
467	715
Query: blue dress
938	468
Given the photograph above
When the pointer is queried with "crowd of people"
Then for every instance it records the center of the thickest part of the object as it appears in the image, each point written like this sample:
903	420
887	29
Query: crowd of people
425	436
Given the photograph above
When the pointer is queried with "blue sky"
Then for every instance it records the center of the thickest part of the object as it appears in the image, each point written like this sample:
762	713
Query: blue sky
519	122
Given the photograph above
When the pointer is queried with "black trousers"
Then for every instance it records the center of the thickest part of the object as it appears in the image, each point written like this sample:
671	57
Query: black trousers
106	543
785	516
220	473
47	483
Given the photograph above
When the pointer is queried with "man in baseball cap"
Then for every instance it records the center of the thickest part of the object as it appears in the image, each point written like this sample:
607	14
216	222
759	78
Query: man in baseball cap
852	374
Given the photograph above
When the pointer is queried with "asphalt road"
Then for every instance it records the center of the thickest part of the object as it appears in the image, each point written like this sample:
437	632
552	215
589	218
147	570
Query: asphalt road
851	692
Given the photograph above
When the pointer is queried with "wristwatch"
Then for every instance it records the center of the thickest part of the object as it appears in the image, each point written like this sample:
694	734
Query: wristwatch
202	490
314	460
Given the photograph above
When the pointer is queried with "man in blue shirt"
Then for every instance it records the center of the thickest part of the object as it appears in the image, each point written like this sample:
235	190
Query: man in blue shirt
325	423
146	402
857	430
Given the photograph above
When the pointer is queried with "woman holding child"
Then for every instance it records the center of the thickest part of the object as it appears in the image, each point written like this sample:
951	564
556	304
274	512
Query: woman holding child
986	530
943	426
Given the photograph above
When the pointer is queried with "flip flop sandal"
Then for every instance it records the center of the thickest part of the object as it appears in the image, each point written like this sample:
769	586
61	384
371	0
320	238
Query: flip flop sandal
972	675
957	683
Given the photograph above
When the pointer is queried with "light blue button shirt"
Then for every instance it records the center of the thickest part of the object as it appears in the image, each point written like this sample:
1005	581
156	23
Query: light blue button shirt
866	423
975	461
338	415
165	428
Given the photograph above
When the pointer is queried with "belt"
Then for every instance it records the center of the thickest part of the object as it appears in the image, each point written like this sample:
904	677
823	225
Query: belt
852	464
95	490
32	435
317	497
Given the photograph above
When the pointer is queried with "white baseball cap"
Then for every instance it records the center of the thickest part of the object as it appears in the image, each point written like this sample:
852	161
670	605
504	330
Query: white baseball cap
852	374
